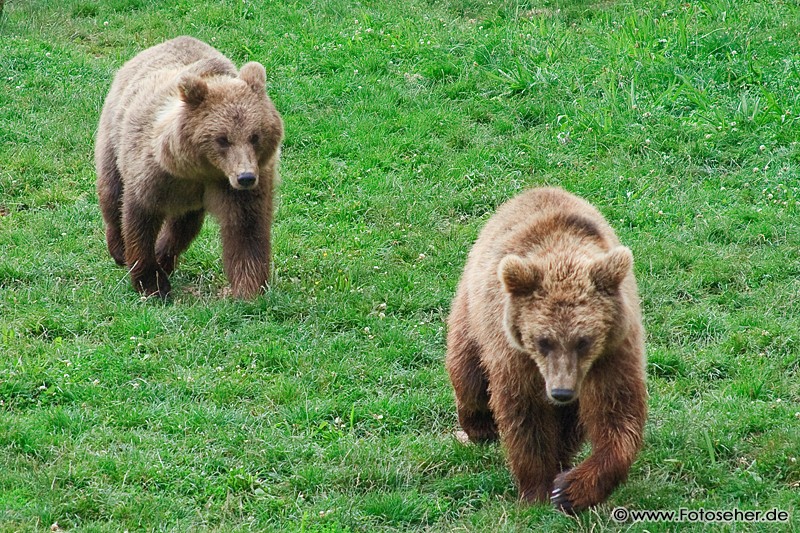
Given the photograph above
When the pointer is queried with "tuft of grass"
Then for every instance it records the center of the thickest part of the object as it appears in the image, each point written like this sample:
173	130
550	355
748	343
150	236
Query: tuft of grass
323	405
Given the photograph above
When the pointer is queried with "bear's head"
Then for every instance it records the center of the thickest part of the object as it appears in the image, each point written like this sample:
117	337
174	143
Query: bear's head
230	124
564	312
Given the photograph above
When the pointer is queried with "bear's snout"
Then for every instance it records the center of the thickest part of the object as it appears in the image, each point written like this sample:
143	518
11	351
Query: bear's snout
246	180
562	395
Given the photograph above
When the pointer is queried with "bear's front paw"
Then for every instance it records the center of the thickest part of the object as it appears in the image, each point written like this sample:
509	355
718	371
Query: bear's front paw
582	487
561	495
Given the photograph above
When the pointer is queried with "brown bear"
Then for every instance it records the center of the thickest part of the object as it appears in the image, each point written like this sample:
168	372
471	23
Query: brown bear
545	347
181	133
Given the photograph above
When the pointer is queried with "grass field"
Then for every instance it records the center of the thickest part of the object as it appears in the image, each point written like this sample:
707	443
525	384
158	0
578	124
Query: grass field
324	405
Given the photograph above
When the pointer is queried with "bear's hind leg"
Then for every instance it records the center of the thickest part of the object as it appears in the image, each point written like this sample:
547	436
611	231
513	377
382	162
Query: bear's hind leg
469	381
109	192
176	236
140	229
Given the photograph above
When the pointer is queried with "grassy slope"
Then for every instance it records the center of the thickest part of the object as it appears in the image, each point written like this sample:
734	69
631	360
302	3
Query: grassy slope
324	406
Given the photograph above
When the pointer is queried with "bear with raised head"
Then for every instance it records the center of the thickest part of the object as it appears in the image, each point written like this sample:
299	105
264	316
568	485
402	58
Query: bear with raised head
183	132
545	348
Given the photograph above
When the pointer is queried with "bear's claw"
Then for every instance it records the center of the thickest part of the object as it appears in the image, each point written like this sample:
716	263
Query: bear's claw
559	497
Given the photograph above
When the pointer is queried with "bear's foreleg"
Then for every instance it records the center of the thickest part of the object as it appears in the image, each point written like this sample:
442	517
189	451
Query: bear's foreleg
613	409
530	432
571	434
140	228
469	380
246	249
176	236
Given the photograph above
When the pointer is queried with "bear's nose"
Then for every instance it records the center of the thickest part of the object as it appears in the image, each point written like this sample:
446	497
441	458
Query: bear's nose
562	395
246	179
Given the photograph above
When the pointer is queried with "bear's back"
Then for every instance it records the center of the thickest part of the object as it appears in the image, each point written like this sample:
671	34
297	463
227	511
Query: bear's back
526	220
526	223
146	80
168	58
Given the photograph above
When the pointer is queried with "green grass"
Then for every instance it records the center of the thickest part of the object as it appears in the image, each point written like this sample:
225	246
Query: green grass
324	406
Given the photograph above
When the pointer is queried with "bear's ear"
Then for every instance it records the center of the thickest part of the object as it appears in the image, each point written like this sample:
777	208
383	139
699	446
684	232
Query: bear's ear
608	271
193	90
519	277
254	75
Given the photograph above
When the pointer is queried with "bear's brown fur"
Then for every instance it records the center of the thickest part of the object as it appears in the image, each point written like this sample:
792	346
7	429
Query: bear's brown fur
545	346
181	133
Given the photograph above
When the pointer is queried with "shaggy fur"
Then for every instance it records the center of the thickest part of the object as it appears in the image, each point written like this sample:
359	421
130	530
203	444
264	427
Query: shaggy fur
545	347
181	133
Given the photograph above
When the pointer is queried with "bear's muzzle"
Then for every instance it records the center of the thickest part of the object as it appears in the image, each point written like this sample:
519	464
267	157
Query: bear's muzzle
246	180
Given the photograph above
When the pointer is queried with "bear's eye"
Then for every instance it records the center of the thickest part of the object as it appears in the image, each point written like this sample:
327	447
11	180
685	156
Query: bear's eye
545	345
583	345
254	138
223	141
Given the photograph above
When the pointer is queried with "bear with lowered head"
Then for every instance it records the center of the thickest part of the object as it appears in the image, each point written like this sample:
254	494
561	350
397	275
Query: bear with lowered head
545	348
